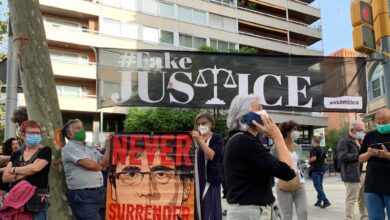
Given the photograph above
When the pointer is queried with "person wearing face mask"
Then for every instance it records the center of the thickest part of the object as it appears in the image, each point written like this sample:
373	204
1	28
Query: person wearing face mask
82	166
287	199
348	155
208	167
248	165
32	163
375	151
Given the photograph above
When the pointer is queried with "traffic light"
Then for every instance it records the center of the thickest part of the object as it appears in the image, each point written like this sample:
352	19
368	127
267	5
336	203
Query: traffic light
363	31
380	11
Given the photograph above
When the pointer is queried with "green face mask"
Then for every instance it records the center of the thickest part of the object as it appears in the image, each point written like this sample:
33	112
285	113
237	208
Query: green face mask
383	129
80	135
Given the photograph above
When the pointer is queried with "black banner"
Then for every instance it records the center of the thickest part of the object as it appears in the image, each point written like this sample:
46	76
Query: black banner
212	80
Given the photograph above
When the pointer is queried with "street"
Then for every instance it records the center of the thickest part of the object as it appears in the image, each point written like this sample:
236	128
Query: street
334	190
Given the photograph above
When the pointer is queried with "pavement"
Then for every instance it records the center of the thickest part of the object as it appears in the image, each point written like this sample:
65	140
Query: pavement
335	191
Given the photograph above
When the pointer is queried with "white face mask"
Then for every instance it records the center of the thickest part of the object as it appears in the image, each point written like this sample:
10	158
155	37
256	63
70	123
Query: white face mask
203	129
295	135
262	112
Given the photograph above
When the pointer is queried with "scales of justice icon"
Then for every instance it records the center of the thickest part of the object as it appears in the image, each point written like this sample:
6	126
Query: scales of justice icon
232	84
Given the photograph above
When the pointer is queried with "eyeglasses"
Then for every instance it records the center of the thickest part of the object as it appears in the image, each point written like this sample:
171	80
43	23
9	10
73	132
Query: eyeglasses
134	176
202	123
159	175
33	132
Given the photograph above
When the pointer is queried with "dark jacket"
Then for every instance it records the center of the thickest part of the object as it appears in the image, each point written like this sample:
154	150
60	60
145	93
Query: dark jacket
348	155
249	169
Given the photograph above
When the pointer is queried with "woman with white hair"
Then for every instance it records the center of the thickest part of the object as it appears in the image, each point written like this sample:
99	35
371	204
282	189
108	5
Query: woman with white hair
248	165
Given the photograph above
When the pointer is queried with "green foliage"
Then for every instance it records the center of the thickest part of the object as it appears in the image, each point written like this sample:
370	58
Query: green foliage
333	136
205	48
4	14
221	127
249	50
166	119
160	119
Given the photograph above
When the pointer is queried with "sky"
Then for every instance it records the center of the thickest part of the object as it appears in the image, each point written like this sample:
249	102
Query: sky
336	25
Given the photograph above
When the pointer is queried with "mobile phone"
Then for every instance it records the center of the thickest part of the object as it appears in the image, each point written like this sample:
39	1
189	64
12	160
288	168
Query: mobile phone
252	116
377	146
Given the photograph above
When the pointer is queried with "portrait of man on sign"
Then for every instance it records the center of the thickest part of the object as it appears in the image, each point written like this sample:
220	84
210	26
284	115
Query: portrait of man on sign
151	176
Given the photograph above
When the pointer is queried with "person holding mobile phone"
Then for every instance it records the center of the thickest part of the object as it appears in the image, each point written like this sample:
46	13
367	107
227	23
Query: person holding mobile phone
375	150
248	165
348	155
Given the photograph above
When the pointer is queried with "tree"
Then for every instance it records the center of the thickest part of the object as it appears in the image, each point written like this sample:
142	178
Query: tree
3	31
39	90
160	119
333	136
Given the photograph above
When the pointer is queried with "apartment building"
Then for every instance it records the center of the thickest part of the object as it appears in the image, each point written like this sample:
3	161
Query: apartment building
75	27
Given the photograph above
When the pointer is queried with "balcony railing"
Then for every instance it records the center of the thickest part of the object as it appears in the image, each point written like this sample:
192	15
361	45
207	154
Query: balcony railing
311	26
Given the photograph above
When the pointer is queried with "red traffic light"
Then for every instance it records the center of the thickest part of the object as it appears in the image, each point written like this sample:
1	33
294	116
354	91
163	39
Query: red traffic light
366	13
361	13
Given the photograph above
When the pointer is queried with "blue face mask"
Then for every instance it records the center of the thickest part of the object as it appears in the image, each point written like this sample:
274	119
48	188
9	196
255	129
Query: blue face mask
33	140
359	135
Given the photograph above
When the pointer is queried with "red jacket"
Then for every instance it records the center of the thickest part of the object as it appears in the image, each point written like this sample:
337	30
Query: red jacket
13	205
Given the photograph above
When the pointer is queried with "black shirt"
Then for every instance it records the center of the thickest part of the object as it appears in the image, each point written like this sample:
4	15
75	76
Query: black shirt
378	169
318	164
39	179
249	169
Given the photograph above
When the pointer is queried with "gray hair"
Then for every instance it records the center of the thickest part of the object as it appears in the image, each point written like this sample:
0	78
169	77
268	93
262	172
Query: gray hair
354	123
206	115
240	106
68	127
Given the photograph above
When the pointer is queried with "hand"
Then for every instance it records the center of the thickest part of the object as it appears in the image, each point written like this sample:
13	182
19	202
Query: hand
108	141
268	128
196	135
383	153
372	152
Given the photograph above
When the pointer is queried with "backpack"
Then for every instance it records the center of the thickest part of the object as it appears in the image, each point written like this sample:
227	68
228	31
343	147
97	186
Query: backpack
336	161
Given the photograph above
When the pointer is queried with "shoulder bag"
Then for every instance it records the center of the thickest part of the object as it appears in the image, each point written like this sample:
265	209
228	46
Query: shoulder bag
290	186
38	202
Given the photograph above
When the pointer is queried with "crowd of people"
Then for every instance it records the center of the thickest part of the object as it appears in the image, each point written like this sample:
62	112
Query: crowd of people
239	165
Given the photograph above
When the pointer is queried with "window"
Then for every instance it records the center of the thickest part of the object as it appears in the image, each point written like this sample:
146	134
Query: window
111	27
185	40
378	82
54	22
222	46
150	6
198	41
129	30
150	34
129	4
71	90
184	13
199	17
216	21
167	10
227	2
68	57
166	37
115	3
191	42
222	22
229	24
376	88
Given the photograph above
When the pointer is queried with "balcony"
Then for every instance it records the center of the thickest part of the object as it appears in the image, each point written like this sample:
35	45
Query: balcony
74	70
71	8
